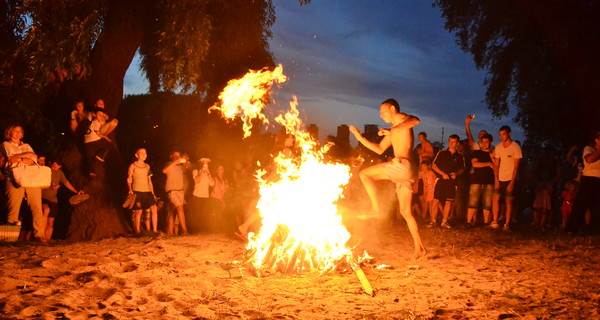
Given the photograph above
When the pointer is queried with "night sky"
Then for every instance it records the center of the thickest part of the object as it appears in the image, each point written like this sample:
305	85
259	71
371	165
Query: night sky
344	57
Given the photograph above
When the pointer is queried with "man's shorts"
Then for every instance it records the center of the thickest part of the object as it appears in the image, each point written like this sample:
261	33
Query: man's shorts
445	190
502	191
143	200
400	172
53	207
177	197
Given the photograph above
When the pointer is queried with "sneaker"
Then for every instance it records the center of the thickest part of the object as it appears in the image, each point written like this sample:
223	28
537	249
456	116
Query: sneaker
16	223
506	228
430	224
446	225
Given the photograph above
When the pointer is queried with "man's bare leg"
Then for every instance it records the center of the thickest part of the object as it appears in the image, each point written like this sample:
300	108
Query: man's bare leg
154	211
495	207
435	208
368	177
404	199
181	216
171	223
509	204
471	215
446	213
109	127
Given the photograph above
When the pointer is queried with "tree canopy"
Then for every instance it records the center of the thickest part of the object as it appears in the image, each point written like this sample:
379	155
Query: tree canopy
54	52
541	57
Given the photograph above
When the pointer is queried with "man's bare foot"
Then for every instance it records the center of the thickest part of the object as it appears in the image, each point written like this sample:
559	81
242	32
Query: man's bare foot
419	254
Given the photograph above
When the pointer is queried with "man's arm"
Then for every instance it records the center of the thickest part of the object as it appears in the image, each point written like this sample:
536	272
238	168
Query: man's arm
468	130
130	178
378	148
511	185
593	156
407	122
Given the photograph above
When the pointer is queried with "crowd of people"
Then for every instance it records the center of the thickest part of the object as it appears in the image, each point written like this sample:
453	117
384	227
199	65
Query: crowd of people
472	182
475	176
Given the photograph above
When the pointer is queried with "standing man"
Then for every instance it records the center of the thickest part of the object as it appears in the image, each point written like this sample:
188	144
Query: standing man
448	164
508	156
482	181
425	148
472	144
589	189
174	188
400	136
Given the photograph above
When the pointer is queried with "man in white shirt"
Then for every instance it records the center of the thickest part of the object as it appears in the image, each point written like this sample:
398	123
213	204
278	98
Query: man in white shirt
507	155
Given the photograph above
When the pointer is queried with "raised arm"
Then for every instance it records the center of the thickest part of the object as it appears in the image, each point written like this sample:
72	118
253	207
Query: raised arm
378	148
468	130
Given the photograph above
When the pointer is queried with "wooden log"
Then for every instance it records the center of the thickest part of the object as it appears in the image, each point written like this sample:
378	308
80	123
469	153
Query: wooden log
361	276
292	261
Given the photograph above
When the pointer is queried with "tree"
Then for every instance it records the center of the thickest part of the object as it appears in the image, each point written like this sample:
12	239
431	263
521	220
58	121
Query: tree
54	52
541	58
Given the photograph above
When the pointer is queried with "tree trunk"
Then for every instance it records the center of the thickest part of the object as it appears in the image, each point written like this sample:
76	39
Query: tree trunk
101	216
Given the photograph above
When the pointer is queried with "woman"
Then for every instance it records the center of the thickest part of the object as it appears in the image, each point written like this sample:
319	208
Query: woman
140	183
217	194
18	153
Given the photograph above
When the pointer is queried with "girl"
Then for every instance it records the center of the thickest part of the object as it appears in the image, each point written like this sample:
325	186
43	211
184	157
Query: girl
140	183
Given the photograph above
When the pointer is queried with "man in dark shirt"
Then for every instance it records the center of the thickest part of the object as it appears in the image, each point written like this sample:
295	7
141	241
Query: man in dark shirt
448	164
482	181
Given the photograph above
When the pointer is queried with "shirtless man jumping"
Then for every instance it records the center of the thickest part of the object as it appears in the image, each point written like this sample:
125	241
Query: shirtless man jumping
400	136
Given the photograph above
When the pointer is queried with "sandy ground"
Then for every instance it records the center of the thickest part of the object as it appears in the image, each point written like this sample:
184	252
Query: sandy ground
468	274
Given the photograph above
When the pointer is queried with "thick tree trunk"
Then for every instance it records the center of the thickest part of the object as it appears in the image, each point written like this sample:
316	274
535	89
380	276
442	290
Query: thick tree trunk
101	216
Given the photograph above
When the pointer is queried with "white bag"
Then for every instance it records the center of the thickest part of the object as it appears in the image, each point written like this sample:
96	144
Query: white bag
32	176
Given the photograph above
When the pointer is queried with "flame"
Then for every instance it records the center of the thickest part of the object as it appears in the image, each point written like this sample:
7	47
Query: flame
301	228
246	97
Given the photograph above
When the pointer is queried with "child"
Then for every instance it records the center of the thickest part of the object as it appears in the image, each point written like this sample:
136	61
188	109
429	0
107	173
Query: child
429	180
140	183
568	197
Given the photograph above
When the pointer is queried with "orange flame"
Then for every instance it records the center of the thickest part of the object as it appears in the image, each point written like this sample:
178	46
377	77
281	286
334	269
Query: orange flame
301	228
246	97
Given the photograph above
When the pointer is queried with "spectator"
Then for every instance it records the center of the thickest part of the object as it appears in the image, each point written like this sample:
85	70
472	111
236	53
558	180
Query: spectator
508	156
174	189
482	181
425	148
589	187
97	145
568	198
50	197
80	116
16	152
448	164
139	181
472	144
429	180
203	180
217	196
107	126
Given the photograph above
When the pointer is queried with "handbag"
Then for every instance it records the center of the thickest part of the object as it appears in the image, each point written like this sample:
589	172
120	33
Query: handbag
32	176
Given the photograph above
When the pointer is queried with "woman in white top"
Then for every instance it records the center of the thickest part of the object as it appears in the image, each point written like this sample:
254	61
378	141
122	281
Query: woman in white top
17	153
140	183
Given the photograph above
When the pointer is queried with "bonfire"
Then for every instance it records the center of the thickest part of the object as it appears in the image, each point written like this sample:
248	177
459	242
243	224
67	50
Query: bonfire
301	228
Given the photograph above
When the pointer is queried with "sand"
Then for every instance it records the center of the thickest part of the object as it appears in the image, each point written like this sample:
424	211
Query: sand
468	274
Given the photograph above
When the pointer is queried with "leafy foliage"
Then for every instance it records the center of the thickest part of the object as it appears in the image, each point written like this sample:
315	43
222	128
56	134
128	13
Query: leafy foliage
541	57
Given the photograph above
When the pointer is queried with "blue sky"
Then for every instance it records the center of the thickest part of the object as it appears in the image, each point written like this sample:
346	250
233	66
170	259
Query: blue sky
344	57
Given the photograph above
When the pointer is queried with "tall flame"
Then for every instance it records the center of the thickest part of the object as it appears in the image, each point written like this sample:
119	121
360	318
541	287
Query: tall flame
246	97
301	228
